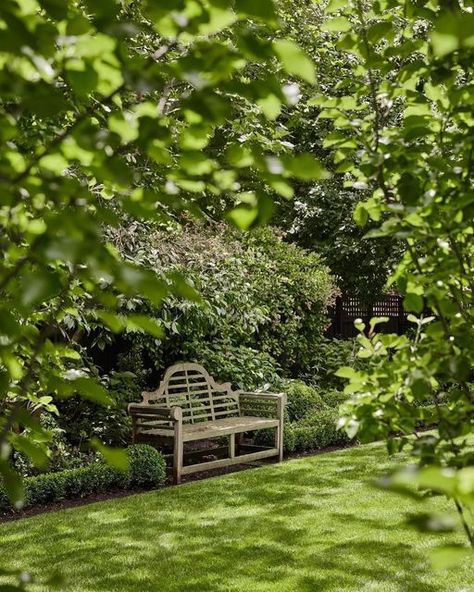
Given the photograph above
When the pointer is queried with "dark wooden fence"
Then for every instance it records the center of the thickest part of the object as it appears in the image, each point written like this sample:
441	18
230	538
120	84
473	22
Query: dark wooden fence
348	308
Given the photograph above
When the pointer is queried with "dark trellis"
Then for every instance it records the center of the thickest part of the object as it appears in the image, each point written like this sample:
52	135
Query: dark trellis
349	308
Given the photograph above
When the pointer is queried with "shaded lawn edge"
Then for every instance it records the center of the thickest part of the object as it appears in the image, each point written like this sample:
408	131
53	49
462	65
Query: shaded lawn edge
15	515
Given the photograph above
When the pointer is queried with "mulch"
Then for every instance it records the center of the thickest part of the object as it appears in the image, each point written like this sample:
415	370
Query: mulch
110	495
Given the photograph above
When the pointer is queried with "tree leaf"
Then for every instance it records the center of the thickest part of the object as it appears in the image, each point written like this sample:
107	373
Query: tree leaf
451	32
115	457
337	24
335	5
263	9
306	167
447	556
91	390
37	287
413	302
295	60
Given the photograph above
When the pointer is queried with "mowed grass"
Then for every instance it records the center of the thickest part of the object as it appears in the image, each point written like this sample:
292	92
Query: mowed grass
312	524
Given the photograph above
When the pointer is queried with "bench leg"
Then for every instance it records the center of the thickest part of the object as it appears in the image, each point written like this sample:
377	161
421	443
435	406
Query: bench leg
279	440
232	446
279	437
177	452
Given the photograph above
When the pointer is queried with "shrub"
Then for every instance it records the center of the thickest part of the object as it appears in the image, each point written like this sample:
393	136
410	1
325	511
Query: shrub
328	355
83	420
258	292
146	469
62	455
147	466
334	398
317	430
301	400
245	367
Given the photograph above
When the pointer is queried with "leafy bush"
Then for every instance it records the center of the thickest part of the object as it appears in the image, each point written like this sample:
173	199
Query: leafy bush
258	292
310	419
245	367
334	398
301	400
83	420
315	431
146	469
147	466
328	355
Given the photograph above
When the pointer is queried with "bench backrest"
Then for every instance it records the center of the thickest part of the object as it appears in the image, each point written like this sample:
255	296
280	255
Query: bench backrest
190	387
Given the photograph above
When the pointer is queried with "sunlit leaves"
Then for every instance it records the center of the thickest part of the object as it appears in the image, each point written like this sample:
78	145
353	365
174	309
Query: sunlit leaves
264	9
115	457
305	166
392	152
88	388
337	24
38	286
295	60
452	32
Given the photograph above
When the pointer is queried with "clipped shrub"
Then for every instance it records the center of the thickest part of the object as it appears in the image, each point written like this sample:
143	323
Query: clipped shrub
147	466
334	398
146	469
317	430
301	400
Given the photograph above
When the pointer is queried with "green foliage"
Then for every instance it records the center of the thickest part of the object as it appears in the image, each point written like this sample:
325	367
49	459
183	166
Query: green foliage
244	367
110	112
146	469
404	137
319	217
334	398
327	357
147	466
259	293
318	429
311	418
301	400
83	420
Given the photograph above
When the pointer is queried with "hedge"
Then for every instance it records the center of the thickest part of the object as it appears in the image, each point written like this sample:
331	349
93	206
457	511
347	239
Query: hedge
146	470
317	430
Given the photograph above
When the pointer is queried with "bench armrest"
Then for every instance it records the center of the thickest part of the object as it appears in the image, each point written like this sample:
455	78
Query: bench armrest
278	398
170	413
265	396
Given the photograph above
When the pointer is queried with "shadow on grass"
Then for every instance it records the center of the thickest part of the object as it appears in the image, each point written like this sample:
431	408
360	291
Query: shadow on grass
305	525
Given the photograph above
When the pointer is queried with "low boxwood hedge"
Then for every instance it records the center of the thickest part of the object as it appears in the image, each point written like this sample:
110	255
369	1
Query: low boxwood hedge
317	430
147	469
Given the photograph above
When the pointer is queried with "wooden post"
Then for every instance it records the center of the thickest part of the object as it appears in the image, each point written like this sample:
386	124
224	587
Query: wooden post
177	444
232	446
279	431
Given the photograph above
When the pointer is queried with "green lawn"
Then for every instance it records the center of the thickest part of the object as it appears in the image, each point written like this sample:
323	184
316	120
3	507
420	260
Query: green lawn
312	524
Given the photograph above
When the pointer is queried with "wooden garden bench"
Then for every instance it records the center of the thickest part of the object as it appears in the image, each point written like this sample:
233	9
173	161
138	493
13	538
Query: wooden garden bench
189	405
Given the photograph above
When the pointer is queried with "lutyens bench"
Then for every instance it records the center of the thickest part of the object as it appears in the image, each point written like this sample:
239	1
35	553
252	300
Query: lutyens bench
189	405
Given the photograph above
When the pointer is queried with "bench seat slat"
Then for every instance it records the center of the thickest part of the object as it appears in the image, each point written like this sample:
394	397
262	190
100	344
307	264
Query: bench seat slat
219	427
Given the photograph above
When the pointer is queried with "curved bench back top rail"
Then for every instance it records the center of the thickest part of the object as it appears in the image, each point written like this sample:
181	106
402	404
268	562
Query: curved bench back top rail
192	388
